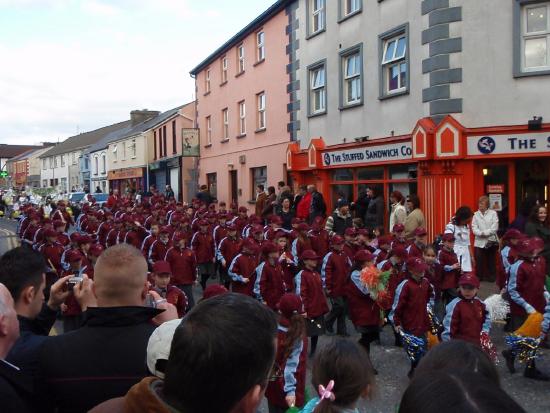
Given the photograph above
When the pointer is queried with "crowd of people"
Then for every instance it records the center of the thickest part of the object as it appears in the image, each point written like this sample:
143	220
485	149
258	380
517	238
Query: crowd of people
123	278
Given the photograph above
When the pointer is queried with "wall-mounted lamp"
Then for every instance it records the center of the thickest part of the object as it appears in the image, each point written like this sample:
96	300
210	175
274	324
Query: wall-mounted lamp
485	172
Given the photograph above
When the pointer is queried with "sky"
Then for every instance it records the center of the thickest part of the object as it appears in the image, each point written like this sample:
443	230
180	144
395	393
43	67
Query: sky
70	66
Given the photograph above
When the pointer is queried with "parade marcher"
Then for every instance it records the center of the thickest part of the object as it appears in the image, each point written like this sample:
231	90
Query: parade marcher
150	239
286	260
335	271
39	234
159	248
286	387
161	276
228	248
62	236
275	225
433	275
350	246
72	313
302	242
309	286
384	247
52	251
183	265
538	225
510	240
450	268
399	239
242	269
269	285
28	235
241	219
319	237
420	241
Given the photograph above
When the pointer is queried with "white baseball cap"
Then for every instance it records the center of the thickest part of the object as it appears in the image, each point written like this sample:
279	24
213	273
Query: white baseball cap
160	342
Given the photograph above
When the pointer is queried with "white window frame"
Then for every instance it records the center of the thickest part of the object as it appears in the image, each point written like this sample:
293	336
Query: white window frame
225	124
526	36
123	157
207	85
224	68
347	7
103	163
44	183
242	118
96	165
240	59
55	161
208	121
115	153
395	60
62	160
44	164
317	15
349	79
261	99
260	46
317	91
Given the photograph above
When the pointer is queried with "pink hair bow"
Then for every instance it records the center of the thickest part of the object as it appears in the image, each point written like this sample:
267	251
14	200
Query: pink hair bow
326	392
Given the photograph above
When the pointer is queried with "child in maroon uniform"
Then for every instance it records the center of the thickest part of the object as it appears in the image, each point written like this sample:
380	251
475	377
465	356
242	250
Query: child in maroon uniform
409	311
384	247
319	237
286	259
302	242
420	242
433	275
269	286
350	246
159	248
161	284
72	313
450	269
309	287
399	239
227	249
183	265
286	387
243	269
203	245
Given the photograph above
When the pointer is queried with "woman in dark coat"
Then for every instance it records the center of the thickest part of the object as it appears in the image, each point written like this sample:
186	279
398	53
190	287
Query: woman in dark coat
374	218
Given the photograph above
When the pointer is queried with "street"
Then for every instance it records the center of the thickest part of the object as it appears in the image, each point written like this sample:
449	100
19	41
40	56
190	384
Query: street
392	363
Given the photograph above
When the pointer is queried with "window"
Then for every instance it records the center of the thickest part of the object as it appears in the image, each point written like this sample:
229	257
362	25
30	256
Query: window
242	118
394	62
74	158
212	182
44	163
240	59
349	8
123	151
86	163
225	124
96	165
351	79
103	163
165	152
44	183
208	130
174	144
260	41
259	177
55	161
155	144
133	149
51	162
261	111
224	65
316	16
115	156
535	29
62	160
318	91
207	81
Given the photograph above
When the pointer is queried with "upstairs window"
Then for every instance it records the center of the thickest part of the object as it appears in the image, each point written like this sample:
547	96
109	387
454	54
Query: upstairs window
535	29
242	118
394	64
224	68
351	77
207	81
225	124
240	59
260	41
318	92
133	149
208	126
317	16
261	111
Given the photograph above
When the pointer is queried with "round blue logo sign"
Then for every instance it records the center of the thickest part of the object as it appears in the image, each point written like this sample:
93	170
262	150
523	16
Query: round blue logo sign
327	159
486	145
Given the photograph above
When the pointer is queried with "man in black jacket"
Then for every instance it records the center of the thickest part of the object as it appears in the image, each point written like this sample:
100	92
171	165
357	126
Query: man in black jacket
318	208
106	356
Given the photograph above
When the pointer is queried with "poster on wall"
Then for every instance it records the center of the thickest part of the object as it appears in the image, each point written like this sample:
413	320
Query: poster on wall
191	142
495	202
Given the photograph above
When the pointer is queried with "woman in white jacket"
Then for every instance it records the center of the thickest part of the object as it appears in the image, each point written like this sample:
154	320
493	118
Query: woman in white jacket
485	227
460	228
398	213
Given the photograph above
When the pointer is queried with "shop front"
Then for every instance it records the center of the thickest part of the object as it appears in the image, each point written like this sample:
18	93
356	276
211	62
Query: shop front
167	172
446	165
129	180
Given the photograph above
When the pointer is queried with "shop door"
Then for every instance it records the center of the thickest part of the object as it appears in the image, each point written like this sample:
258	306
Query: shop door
160	180
532	181
498	186
175	182
234	186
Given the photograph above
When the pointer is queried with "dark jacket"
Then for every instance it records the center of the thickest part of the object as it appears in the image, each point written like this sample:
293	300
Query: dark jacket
99	361
466	319
268	206
361	205
375	213
32	334
409	308
536	229
205	197
318	208
15	389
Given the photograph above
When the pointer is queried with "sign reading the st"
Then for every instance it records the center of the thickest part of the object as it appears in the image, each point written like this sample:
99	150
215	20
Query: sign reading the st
509	144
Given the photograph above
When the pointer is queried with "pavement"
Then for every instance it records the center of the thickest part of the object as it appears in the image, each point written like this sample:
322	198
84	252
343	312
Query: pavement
392	362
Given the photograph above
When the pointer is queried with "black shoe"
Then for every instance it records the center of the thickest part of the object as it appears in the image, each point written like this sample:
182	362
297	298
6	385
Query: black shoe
375	371
509	357
535	374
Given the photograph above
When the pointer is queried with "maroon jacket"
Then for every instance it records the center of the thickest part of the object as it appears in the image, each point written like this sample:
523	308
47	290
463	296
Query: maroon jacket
363	311
335	273
28	235
381	256
203	245
350	250
183	263
270	285
135	237
228	249
449	278
409	308
320	242
289	370
103	231
309	286
52	254
526	287
465	320
174	296
397	276
158	251
414	251
243	266
146	245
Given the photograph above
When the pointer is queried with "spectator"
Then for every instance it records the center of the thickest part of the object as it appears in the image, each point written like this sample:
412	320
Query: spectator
240	335
302	190
280	189
538	226
361	205
22	272
261	198
456	392
168	193
398	213
270	203
375	212
460	228
485	227
286	193
204	195
98	190
340	220
303	205
318	207
415	219
106	356
525	210
14	390
286	214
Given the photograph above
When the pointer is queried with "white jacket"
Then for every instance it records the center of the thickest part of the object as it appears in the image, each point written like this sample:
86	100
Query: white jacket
485	227
398	215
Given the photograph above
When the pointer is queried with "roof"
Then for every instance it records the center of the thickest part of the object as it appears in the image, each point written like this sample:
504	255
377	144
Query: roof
84	140
135	130
10	151
253	25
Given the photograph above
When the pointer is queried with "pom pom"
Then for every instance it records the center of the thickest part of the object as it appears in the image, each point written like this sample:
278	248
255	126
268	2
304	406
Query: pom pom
376	282
415	346
488	347
436	327
497	307
531	327
433	340
524	348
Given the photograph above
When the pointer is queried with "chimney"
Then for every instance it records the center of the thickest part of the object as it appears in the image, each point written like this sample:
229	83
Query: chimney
139	116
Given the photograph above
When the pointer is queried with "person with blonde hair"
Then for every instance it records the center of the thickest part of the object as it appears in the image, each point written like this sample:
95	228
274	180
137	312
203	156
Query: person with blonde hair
485	227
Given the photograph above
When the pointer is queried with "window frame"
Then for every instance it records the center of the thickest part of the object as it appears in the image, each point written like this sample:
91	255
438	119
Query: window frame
311	89
225	125
207	81
342	15
133	149
384	40
520	35
260	46
62	160
224	65
343	56
240	59
44	164
261	119
242	118
96	165
174	139
103	163
310	18
208	127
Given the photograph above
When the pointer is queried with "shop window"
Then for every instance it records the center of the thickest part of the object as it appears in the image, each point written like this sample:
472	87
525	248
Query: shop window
342	191
212	182
342	175
370	174
403	172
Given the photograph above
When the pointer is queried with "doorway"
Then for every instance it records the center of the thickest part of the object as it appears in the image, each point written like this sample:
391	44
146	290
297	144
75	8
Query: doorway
532	178
497	186
234	186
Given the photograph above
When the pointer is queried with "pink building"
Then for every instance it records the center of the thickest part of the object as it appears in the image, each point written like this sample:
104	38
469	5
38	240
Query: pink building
242	112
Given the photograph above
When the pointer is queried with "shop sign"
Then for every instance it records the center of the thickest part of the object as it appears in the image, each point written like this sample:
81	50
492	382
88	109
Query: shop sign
191	142
125	174
495	189
509	144
369	154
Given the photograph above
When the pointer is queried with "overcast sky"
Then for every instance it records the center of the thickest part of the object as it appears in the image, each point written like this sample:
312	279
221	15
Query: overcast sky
68	65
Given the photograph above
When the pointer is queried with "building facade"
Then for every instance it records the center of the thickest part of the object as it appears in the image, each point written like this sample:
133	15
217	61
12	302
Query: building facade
422	96
242	102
